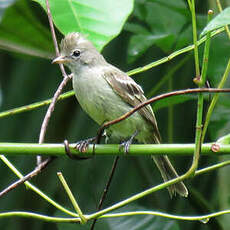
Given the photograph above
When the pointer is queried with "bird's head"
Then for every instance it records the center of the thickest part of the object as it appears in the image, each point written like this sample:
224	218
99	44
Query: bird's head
77	51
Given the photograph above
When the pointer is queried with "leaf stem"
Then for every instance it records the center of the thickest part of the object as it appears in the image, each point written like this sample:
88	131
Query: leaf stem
194	29
71	197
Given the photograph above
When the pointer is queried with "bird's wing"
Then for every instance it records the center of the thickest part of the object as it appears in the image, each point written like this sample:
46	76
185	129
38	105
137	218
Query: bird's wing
131	93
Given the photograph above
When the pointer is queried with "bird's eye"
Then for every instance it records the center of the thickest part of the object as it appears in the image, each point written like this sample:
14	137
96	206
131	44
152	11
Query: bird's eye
76	53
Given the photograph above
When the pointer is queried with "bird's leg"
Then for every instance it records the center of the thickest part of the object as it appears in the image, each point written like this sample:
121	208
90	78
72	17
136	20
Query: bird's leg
126	144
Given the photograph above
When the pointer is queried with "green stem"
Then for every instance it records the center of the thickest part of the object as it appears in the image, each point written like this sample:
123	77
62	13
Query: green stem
200	102
71	197
33	188
172	55
39	217
203	218
26	149
212	167
194	29
202	80
35	105
198	142
154	189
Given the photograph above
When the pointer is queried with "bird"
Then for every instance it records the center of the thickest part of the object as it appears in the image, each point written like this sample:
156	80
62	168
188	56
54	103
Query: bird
105	93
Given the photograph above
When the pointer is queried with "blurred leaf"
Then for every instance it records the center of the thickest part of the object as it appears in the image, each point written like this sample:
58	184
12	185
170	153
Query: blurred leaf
220	123
135	28
218	58
166	102
141	11
225	139
141	42
160	29
4	4
168	17
101	20
139	222
222	19
21	31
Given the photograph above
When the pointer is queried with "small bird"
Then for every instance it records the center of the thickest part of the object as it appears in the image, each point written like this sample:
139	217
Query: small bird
105	93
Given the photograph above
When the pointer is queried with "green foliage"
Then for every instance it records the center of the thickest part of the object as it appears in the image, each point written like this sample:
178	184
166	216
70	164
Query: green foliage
160	28
21	16
222	19
101	20
154	29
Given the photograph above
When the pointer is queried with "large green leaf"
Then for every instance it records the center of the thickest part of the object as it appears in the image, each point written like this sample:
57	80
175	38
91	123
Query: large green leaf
100	20
21	31
222	19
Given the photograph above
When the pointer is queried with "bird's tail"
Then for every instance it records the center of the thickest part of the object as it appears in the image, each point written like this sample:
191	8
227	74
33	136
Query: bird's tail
168	172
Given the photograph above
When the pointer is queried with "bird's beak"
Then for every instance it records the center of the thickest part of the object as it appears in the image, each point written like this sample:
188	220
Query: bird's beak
60	60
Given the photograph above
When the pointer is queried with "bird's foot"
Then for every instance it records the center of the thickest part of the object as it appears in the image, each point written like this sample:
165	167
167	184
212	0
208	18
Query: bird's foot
68	153
126	144
83	145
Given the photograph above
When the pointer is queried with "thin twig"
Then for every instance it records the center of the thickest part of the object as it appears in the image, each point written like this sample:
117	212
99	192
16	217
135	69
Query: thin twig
72	198
60	88
106	189
54	36
51	109
35	189
42	165
27	177
154	99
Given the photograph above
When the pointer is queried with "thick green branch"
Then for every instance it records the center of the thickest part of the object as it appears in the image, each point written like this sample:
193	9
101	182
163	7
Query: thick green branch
31	149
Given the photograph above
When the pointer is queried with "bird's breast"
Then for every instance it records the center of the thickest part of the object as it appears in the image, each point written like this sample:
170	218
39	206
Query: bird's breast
96	96
102	104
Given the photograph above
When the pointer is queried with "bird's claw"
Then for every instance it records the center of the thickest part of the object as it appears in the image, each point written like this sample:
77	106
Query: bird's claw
71	156
83	145
126	144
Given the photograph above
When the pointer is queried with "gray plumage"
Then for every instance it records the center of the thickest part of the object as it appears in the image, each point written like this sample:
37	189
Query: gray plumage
106	93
